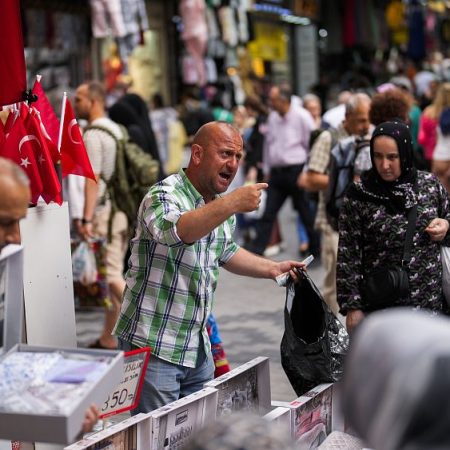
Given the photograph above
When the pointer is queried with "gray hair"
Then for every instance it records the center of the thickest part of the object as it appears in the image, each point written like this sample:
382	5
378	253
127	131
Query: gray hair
241	432
355	101
11	169
310	98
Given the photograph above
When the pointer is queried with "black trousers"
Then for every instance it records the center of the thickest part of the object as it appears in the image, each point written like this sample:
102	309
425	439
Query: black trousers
283	184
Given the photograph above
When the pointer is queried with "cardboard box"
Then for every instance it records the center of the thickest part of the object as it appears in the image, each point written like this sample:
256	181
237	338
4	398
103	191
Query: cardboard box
131	433
282	416
11	297
175	423
311	415
245	388
58	427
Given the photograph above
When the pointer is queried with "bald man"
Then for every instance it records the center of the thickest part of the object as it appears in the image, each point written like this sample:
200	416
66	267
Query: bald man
184	234
14	198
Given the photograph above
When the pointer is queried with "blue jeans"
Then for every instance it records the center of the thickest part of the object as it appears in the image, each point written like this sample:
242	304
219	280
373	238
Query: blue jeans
166	382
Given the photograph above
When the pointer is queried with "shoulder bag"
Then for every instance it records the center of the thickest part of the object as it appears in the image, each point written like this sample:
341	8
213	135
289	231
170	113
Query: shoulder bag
383	287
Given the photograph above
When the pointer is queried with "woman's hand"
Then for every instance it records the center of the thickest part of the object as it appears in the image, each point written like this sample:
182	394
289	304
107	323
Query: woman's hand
437	229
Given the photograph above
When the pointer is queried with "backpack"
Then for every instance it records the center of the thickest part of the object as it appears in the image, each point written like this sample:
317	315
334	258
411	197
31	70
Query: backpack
317	132
341	173
135	172
314	196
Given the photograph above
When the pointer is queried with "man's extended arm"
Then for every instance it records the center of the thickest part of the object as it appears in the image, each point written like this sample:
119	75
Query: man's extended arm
313	181
90	200
248	264
194	225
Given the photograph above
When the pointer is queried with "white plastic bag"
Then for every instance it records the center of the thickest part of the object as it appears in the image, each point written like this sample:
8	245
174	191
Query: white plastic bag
445	257
84	266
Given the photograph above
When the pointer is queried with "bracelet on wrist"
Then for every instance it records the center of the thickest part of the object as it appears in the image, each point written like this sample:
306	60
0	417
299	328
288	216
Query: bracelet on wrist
85	221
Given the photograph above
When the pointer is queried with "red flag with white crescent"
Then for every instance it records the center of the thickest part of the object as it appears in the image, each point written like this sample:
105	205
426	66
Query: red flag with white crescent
74	157
13	80
47	114
19	146
52	147
51	186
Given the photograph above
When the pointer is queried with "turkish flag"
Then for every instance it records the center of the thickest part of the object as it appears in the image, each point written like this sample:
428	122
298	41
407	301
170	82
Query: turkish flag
74	157
12	58
52	147
47	114
19	146
51	190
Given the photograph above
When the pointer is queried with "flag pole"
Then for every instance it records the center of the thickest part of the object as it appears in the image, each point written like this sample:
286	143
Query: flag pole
61	120
61	124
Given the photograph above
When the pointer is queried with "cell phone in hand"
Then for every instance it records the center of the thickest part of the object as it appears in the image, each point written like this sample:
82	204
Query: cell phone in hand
281	279
307	261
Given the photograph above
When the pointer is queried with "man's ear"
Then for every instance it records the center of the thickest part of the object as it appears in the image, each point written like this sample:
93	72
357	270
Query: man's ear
196	153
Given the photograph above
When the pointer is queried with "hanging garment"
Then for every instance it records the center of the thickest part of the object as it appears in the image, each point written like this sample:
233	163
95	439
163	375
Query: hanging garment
349	31
195	33
134	15
126	45
211	70
395	19
107	18
189	70
229	26
244	34
416	25
211	22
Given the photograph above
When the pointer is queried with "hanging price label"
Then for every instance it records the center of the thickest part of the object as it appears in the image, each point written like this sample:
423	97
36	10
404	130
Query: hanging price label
126	394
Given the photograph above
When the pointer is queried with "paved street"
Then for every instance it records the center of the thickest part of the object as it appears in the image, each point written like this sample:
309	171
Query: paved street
249	313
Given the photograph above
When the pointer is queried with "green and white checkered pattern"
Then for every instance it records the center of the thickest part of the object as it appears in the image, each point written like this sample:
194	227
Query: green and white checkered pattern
170	284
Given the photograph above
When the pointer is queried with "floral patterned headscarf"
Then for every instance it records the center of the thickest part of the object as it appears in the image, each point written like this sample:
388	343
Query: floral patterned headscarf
396	195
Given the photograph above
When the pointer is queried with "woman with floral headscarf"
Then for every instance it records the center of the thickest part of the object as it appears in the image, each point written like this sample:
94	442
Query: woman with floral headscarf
373	222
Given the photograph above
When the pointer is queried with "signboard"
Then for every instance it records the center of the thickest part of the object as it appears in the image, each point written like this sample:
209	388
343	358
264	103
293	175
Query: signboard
270	43
126	394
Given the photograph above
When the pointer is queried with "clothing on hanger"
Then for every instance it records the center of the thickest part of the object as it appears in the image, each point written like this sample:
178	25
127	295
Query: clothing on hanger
107	18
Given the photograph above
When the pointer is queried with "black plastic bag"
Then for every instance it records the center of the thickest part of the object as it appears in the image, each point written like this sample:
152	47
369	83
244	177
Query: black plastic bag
315	341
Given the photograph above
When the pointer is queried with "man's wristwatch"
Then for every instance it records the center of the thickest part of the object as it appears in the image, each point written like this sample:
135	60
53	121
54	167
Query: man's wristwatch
85	221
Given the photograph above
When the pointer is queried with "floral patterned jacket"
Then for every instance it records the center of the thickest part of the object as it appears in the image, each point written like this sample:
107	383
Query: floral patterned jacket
371	238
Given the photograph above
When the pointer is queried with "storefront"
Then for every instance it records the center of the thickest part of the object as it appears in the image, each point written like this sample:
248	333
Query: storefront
284	45
57	43
69	41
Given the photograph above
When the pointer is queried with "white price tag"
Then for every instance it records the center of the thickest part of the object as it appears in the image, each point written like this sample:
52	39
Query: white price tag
126	394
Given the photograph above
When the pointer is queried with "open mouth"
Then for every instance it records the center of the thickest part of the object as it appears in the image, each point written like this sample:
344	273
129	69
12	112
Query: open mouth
225	176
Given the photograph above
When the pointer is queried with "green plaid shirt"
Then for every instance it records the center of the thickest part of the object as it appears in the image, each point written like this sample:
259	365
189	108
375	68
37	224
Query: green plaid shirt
170	284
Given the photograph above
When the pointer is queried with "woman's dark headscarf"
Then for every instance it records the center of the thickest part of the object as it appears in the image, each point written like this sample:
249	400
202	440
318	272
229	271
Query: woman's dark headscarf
137	107
396	195
131	110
